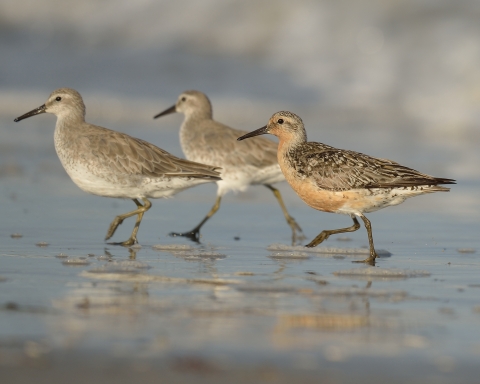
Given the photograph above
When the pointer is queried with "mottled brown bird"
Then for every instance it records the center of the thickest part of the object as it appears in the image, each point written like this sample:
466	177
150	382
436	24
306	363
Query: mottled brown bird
341	181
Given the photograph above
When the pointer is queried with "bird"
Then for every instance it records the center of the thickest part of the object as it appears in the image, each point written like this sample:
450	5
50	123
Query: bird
206	140
342	181
108	163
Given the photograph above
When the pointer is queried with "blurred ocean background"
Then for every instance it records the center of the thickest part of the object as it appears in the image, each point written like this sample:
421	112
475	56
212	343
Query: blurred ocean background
397	79
406	73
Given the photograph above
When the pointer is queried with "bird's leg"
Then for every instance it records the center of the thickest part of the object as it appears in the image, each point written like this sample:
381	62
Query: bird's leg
141	209
290	220
325	234
373	255
133	237
194	234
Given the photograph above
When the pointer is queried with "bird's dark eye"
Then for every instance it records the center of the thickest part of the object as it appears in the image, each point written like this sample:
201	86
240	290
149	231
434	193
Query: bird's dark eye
58	98
280	121
184	98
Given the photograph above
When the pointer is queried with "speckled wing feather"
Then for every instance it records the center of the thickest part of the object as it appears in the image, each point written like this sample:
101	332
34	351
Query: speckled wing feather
135	156
341	170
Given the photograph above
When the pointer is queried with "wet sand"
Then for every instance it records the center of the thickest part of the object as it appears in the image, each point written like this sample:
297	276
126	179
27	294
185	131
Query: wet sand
243	305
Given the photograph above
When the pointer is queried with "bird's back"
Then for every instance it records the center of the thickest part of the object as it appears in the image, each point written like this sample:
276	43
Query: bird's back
211	142
340	170
109	163
342	181
116	152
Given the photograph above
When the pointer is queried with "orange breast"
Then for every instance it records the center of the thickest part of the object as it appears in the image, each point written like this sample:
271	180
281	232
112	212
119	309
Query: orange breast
327	201
322	200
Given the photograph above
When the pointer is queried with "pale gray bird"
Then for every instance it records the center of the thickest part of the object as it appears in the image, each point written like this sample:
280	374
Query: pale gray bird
243	164
112	164
341	181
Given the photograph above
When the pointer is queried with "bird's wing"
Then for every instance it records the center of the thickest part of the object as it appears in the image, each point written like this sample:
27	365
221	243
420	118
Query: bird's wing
138	157
221	143
335	169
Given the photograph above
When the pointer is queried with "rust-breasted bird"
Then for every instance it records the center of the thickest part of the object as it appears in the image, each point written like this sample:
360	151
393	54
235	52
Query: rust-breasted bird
341	181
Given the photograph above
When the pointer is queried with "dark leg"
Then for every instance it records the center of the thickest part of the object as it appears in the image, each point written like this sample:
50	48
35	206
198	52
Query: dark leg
324	235
373	255
141	209
194	234
290	220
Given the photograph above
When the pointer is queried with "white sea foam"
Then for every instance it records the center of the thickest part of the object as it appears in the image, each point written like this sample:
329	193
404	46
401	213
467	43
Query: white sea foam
326	250
466	250
382	272
120	267
200	255
172	247
289	255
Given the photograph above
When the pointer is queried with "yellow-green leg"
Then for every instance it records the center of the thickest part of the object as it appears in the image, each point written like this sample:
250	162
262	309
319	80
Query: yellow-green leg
373	255
194	234
290	220
141	209
324	235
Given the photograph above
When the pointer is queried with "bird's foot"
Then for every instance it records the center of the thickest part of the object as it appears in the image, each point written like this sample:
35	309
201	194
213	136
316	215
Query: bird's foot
293	224
297	238
193	235
297	233
128	243
113	227
370	260
319	239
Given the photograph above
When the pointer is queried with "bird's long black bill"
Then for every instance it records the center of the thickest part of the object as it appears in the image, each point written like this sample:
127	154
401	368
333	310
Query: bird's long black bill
33	112
168	111
260	131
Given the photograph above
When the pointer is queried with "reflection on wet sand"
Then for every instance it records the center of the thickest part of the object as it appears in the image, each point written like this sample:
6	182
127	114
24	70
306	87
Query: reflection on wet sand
230	303
384	274
326	251
124	288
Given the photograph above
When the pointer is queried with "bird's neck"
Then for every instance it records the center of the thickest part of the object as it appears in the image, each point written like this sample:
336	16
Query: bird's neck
67	127
199	115
289	145
289	142
70	120
193	125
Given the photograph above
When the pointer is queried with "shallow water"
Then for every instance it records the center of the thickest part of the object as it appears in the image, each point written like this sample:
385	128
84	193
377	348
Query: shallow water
241	305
